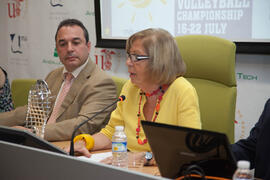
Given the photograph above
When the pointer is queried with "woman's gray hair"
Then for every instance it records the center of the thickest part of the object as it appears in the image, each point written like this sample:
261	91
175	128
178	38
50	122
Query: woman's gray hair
165	63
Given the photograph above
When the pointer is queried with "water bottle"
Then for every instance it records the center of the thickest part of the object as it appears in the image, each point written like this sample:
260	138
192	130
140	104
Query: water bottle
119	148
243	172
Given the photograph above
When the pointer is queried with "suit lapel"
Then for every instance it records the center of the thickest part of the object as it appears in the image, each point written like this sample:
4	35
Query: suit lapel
56	86
76	86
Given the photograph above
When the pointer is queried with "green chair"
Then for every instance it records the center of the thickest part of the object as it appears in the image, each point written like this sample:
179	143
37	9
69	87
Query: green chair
119	82
20	90
211	70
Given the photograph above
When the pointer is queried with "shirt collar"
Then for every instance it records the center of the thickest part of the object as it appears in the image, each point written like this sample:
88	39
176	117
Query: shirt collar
77	71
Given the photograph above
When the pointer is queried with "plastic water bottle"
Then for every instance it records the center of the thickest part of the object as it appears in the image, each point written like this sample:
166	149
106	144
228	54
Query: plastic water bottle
119	148
243	172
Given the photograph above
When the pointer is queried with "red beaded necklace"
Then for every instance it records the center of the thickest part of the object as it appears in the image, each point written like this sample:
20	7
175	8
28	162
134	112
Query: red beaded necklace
138	129
154	92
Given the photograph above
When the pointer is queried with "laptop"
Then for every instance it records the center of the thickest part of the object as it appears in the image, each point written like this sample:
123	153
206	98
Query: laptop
26	138
179	149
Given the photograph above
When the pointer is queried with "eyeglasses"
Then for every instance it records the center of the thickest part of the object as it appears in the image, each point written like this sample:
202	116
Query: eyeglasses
136	57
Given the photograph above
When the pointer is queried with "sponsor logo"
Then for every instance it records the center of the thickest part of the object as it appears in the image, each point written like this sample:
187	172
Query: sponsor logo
104	60
19	51
54	60
246	76
16	43
57	12
56	3
49	61
55	54
88	13
15	8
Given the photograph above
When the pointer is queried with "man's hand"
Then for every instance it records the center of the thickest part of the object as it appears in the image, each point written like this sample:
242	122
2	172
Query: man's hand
22	128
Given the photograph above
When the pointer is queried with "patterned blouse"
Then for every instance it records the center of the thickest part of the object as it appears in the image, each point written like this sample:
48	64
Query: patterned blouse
5	96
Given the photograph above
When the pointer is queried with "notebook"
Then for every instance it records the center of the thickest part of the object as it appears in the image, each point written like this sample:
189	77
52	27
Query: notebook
26	138
178	148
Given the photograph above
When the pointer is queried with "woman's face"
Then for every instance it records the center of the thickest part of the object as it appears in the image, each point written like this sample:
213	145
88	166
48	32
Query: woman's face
137	70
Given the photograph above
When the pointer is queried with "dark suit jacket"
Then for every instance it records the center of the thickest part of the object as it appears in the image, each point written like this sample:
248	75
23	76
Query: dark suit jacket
91	91
256	148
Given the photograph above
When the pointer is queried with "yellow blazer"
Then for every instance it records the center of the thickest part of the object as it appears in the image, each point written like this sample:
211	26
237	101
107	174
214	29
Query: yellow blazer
179	106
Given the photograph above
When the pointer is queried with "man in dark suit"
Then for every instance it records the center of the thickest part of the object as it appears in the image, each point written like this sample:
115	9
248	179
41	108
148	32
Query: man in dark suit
256	148
90	91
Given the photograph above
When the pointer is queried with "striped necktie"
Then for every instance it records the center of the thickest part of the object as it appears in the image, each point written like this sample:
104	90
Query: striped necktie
61	97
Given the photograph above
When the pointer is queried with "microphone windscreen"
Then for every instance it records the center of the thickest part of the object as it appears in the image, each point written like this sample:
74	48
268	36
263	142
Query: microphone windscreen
122	98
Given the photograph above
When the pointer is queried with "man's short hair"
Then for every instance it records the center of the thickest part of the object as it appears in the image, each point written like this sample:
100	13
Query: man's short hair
73	22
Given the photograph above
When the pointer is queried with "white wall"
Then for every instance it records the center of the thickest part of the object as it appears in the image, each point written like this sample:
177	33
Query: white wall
253	87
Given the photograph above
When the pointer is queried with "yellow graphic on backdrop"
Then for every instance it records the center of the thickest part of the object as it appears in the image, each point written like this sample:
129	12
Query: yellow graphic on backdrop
140	4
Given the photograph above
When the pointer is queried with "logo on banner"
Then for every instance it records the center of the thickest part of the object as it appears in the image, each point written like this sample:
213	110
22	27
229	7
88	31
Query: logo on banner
54	61
16	43
57	12
89	13
249	77
104	60
15	8
55	54
56	3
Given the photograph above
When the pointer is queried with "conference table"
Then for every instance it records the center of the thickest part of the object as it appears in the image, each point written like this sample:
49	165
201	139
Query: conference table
152	170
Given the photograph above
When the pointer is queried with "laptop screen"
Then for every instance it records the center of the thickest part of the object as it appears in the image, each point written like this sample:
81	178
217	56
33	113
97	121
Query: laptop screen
26	138
176	149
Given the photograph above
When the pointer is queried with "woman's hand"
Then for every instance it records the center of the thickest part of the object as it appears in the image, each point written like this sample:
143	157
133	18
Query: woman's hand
102	142
107	160
79	149
135	159
152	162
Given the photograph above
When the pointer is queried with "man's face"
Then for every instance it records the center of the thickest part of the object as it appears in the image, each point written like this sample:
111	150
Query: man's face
71	46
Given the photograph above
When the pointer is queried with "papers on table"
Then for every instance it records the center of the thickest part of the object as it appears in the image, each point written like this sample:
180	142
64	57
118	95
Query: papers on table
96	157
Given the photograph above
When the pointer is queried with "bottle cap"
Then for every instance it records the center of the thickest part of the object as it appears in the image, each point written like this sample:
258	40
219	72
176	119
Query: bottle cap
243	164
119	128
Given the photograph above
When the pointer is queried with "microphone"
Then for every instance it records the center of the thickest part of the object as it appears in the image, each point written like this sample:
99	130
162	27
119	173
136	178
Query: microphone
71	152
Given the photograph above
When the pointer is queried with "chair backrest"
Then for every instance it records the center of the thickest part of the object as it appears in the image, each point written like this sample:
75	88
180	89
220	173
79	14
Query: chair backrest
119	82
211	70
20	90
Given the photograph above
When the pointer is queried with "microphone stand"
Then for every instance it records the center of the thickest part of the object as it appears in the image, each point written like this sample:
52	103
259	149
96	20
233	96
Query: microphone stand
71	152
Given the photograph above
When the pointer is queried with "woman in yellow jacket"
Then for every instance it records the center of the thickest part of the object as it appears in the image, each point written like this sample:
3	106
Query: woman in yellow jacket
156	91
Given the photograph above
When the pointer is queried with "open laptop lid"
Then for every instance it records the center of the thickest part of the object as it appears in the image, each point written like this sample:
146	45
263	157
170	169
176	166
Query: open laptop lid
26	138
177	148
